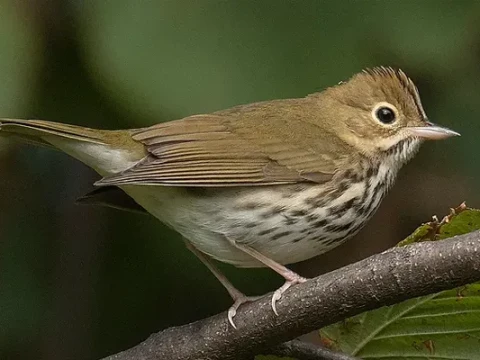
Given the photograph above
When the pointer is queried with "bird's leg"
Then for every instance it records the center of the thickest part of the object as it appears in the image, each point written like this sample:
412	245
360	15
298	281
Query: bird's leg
238	297
290	276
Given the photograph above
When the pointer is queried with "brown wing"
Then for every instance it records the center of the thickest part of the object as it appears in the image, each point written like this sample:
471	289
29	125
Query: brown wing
208	150
111	196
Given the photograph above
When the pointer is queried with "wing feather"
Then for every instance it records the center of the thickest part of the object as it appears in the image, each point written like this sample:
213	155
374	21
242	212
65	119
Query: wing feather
208	150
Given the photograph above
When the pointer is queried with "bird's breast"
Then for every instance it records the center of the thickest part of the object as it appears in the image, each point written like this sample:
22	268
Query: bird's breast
297	222
288	223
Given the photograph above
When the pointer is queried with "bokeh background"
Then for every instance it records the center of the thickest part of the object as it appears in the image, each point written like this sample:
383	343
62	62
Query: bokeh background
79	282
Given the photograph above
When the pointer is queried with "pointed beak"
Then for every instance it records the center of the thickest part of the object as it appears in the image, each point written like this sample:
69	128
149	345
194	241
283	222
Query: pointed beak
432	132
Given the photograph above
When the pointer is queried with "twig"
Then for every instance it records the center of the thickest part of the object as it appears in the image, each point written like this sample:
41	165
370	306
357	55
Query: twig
398	274
306	351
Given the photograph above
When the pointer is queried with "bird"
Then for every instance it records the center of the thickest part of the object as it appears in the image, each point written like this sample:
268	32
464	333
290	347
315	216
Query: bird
265	184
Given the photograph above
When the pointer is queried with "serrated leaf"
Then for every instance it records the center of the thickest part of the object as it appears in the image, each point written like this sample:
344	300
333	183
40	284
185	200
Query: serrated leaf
461	220
422	233
440	326
462	223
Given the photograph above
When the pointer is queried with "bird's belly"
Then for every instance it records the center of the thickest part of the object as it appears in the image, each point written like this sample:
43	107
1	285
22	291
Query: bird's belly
288	223
300	223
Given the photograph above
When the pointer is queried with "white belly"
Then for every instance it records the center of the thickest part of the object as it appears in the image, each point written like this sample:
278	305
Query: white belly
285	232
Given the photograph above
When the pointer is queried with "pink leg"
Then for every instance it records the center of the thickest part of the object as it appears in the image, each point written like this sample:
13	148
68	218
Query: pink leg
291	277
238	297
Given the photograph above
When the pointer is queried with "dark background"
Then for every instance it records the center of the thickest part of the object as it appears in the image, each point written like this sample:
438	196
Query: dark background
78	282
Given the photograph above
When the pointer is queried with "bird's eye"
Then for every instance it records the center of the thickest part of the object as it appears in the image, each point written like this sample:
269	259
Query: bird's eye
385	115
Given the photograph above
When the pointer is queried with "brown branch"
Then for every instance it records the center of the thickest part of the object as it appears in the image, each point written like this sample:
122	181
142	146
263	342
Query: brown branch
306	351
384	279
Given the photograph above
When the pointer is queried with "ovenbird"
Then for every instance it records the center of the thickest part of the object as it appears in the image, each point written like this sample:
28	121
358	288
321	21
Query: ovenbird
264	184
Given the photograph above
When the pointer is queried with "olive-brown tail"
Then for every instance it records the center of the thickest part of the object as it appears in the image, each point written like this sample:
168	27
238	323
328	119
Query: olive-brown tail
36	130
106	151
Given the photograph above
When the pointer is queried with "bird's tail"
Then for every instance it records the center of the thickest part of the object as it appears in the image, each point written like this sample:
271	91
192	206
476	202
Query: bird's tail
34	131
107	151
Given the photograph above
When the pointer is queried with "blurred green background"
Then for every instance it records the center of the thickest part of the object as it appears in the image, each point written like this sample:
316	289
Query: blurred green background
78	282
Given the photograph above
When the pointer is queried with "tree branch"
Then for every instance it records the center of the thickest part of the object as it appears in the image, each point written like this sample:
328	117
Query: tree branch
306	351
384	279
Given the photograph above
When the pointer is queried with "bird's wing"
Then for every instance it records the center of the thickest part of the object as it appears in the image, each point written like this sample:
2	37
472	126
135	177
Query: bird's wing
111	196
207	150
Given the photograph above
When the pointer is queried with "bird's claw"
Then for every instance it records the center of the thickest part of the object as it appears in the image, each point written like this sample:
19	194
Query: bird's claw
232	311
279	292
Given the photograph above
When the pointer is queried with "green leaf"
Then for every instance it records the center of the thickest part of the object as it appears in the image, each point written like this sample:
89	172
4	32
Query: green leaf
463	223
422	233
440	326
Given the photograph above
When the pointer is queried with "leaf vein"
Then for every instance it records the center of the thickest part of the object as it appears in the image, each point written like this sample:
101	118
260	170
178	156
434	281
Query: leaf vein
375	332
418	333
441	314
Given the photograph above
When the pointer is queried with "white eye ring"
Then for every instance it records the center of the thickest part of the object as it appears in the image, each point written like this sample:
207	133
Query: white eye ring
385	113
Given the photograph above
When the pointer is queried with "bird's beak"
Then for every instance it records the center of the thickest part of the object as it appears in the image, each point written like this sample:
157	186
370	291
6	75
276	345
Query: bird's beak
432	132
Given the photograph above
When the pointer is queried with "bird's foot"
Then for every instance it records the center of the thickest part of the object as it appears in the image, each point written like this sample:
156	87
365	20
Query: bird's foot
290	276
293	279
239	300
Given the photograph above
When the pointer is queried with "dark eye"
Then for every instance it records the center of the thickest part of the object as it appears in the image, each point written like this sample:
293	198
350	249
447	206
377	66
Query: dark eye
385	115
